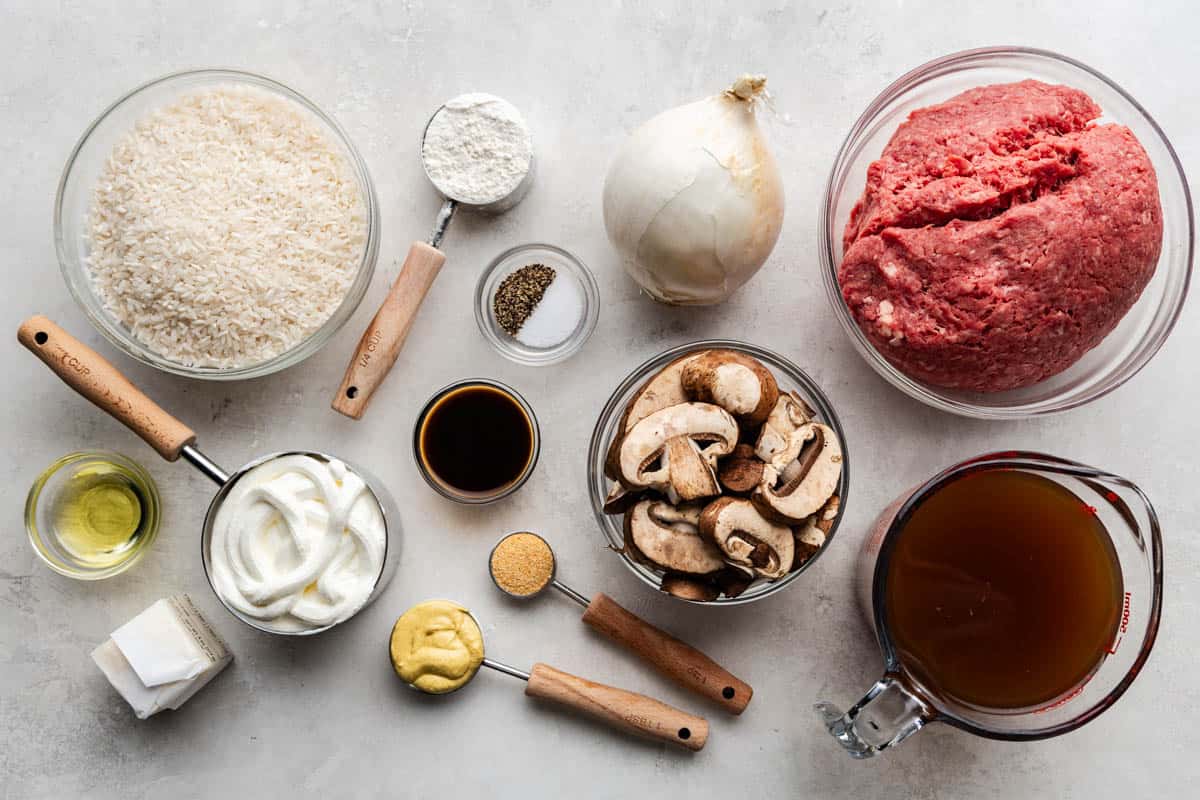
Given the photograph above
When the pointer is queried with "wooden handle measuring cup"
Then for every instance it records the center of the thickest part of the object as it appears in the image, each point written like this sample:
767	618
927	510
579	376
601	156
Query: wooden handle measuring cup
620	708
380	345
90	374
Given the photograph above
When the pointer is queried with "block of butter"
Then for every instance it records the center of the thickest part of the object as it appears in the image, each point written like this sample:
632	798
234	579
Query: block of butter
162	656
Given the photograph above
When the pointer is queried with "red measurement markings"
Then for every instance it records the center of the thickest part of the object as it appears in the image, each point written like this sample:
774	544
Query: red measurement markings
1124	623
1064	700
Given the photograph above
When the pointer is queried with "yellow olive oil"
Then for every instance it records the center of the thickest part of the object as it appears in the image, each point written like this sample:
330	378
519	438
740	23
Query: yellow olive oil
98	514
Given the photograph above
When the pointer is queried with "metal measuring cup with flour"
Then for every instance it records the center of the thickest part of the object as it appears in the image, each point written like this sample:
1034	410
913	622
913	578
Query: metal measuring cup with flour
293	543
477	152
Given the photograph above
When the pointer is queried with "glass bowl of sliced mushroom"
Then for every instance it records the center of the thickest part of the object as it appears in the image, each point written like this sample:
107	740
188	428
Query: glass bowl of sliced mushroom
718	472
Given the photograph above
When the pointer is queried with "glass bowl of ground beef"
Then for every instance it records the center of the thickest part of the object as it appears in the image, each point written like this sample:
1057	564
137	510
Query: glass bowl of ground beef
1006	233
216	224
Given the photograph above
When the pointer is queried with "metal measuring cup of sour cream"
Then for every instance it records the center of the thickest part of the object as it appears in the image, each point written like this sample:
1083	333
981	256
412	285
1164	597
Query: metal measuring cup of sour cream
98	381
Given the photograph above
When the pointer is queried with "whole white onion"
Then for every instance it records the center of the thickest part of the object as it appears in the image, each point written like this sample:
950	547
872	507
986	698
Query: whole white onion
693	201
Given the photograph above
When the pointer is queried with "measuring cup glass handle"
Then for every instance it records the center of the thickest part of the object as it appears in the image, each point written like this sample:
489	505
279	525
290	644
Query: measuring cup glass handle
885	717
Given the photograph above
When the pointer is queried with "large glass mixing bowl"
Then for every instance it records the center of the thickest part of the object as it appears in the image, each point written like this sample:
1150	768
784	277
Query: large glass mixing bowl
85	165
1143	330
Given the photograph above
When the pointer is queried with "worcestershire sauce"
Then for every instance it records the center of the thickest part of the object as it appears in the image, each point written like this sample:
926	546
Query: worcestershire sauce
1003	590
476	440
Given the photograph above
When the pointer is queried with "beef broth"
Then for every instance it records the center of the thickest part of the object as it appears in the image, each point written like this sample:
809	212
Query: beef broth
1003	590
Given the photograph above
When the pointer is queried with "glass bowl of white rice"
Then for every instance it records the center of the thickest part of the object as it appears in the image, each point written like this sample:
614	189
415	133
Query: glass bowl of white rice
216	224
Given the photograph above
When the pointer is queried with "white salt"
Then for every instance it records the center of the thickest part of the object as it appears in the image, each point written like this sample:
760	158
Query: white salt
556	316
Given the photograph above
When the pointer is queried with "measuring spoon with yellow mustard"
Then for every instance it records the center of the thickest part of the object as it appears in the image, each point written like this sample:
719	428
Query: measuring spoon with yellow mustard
437	648
523	566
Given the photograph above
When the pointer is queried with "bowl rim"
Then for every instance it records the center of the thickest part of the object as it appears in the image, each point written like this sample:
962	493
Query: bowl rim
569	346
932	396
598	447
112	330
152	512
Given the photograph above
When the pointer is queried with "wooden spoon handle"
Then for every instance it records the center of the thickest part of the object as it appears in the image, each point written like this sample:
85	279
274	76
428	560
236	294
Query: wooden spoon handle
90	374
628	711
678	660
381	342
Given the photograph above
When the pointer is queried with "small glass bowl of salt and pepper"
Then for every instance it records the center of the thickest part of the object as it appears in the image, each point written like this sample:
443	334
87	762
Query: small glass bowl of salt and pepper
537	304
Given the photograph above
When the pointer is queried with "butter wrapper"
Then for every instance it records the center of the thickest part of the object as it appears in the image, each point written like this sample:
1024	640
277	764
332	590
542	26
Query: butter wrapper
163	656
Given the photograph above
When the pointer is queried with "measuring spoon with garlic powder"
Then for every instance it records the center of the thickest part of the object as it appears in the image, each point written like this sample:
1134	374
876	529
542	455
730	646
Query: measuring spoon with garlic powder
477	152
436	647
677	660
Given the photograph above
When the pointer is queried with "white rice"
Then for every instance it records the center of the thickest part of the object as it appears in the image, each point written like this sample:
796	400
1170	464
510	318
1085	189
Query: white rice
226	228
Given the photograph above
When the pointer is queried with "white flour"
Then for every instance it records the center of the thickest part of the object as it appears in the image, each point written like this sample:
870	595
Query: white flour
477	148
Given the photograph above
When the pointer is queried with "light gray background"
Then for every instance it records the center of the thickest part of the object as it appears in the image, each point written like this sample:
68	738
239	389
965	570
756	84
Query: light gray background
327	717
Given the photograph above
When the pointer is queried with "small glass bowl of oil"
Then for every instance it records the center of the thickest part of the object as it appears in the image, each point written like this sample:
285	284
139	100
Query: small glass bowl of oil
92	514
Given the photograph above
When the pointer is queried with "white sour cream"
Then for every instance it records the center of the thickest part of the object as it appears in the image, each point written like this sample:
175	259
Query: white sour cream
298	543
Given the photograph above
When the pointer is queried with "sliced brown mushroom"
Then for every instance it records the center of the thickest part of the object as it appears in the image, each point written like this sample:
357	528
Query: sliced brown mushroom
733	581
692	477
748	434
689	588
810	537
741	471
639	462
789	415
801	477
747	538
734	381
663	390
620	499
668	537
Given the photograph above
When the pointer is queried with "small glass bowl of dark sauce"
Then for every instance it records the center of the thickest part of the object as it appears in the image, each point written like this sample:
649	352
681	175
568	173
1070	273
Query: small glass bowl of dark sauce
476	441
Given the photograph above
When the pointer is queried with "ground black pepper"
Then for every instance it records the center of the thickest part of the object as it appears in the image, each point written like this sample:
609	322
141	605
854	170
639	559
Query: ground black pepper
519	294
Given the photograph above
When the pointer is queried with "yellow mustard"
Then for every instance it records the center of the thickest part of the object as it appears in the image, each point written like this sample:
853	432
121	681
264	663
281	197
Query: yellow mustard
436	646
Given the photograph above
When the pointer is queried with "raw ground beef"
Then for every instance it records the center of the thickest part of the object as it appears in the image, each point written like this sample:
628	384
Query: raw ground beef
1000	237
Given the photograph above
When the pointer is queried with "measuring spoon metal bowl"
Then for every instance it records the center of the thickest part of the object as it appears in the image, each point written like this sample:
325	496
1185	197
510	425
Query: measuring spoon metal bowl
468	681
553	582
671	657
383	339
98	381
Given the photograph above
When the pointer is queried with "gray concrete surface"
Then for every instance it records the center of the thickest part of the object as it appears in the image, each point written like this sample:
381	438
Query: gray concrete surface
326	717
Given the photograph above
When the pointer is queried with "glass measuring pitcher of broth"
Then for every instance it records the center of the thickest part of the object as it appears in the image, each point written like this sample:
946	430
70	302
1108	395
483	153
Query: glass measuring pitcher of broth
1015	596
